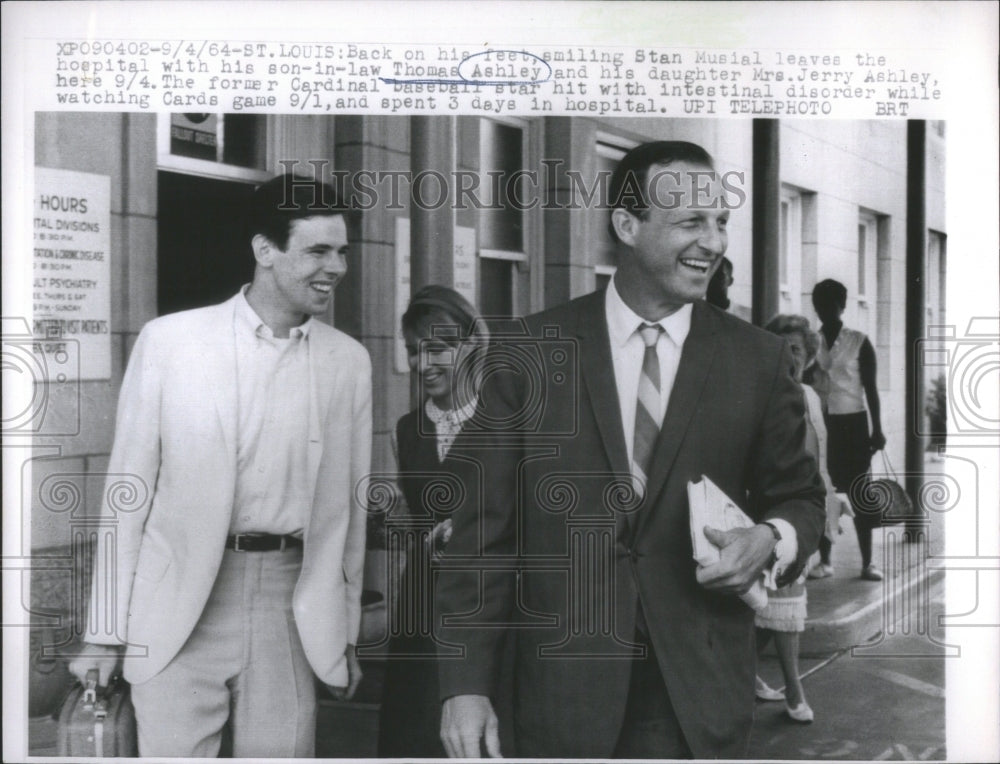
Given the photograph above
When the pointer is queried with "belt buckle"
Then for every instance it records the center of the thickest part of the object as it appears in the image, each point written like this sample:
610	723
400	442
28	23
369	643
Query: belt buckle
236	541
281	545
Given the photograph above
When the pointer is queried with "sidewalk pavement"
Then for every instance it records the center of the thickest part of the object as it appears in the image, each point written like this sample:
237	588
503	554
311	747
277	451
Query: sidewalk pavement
844	610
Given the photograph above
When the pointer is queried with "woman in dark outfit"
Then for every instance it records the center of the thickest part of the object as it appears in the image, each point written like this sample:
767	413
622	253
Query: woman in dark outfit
847	358
445	341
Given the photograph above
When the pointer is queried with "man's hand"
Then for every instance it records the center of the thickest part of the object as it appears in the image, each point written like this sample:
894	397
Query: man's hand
440	537
744	553
465	720
105	658
353	676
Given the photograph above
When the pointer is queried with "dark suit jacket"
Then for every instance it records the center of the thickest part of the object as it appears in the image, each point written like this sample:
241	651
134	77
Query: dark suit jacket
549	499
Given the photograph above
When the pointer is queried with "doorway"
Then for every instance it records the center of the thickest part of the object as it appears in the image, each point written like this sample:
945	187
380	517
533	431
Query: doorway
203	250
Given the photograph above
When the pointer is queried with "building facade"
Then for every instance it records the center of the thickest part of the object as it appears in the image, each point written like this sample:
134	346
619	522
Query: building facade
526	233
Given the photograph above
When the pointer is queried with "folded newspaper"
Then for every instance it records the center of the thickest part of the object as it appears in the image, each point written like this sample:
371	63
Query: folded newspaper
711	507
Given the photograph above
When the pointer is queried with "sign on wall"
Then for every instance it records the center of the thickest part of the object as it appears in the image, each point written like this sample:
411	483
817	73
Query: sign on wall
194	135
71	276
464	262
463	274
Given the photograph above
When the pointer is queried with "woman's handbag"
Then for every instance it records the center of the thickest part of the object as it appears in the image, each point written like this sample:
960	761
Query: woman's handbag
884	497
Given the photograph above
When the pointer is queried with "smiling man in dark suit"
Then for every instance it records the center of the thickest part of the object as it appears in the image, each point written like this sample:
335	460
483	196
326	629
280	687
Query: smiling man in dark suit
628	649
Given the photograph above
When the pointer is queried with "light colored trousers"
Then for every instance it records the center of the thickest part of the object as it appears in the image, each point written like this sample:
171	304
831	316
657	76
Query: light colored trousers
243	664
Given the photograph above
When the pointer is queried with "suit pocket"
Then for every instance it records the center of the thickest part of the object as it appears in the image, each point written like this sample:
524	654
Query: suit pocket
152	565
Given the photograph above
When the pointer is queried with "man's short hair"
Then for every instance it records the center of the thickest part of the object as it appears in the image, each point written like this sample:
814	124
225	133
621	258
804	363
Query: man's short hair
286	198
829	292
627	189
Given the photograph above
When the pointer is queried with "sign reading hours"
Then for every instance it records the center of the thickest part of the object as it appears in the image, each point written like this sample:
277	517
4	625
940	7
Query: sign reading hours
71	278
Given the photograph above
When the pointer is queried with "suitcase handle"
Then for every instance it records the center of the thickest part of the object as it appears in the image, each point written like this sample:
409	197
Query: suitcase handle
90	689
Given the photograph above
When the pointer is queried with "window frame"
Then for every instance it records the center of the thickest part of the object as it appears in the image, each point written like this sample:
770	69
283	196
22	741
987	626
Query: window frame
523	295
867	261
789	244
205	168
606	146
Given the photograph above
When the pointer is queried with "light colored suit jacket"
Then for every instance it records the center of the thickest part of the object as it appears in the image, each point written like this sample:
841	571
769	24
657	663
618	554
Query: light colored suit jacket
175	447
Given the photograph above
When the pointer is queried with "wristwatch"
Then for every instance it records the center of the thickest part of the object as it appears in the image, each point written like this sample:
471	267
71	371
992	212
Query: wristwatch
774	530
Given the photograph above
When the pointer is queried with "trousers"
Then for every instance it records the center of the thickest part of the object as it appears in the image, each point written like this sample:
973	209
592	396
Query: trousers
243	665
650	729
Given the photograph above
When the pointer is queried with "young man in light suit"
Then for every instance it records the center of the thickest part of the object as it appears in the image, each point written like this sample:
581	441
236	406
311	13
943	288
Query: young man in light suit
629	649
245	430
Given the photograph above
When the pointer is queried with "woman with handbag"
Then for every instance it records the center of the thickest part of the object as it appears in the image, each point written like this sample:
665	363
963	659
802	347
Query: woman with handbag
445	342
848	381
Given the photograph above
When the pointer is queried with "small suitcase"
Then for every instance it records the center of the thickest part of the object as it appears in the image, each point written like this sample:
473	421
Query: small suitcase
98	722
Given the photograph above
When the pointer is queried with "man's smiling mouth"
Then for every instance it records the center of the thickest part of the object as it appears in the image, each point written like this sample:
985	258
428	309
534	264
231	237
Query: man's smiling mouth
702	266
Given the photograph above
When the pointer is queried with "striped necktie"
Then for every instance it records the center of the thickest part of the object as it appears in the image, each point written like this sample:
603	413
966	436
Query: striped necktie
647	410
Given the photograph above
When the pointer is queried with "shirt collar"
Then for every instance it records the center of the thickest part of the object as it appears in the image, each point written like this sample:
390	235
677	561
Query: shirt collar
247	318
459	416
623	322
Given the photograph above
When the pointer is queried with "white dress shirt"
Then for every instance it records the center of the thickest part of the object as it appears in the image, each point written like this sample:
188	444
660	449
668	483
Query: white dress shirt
627	350
272	380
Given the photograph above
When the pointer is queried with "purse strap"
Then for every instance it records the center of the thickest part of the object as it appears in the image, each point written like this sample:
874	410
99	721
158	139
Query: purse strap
887	465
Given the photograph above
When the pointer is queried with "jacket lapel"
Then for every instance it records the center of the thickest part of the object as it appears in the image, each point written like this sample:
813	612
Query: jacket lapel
692	373
322	379
219	370
598	373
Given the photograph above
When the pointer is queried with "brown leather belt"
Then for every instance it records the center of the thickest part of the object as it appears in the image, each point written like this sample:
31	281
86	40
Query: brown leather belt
262	542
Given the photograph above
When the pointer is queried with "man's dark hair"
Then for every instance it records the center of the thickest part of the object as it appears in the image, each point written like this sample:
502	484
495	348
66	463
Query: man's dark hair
627	188
286	198
829	292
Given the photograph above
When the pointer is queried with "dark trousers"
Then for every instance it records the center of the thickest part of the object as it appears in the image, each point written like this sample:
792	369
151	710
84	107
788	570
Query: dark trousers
849	458
825	547
651	729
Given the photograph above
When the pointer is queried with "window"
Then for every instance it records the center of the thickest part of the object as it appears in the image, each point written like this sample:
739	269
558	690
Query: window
935	281
502	221
214	145
867	254
790	250
496	287
610	149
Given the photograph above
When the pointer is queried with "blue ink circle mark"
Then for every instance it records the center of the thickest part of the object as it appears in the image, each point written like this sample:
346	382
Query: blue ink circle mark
500	65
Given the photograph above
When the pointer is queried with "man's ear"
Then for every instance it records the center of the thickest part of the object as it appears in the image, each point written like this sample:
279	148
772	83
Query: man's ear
263	250
625	225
